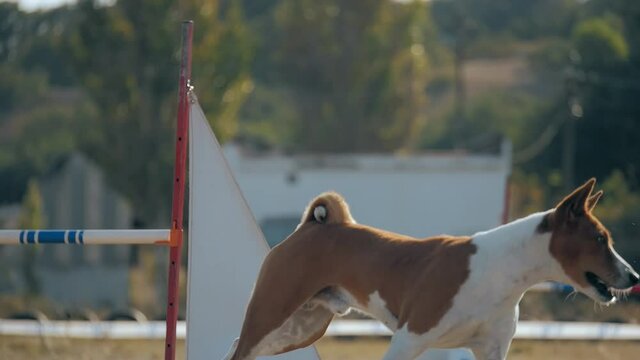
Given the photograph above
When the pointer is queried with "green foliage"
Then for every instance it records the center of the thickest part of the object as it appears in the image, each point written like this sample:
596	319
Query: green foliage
223	51
31	217
38	118
628	11
268	118
358	71
37	132
527	194
122	56
30	41
607	87
552	57
35	139
521	19
599	43
488	119
19	89
594	67
46	134
619	209
620	202
316	76
11	22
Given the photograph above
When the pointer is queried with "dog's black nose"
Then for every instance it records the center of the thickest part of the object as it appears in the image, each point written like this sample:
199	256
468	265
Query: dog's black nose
633	278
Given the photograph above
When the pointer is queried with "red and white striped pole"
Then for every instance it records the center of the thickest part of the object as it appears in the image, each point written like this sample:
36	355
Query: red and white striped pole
179	180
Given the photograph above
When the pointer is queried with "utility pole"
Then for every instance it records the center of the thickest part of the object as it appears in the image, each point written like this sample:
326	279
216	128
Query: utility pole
459	84
568	153
569	136
463	28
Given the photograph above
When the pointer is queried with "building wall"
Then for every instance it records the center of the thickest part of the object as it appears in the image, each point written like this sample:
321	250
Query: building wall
418	196
76	195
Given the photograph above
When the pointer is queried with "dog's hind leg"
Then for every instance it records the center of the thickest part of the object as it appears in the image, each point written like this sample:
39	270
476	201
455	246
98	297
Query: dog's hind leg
304	326
307	324
332	299
301	329
276	319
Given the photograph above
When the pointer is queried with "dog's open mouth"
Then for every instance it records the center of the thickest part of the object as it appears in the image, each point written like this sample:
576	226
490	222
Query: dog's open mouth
601	287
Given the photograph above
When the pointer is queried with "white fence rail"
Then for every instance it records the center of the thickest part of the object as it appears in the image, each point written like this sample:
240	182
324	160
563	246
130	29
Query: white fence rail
531	330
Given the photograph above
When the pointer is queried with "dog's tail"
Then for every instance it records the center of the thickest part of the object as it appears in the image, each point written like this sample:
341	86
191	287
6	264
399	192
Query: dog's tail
327	208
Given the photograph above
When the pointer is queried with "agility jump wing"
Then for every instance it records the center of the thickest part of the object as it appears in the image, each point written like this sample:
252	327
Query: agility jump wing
226	248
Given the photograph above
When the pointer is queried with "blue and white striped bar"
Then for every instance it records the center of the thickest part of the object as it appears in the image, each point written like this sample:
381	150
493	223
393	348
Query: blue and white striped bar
530	330
84	237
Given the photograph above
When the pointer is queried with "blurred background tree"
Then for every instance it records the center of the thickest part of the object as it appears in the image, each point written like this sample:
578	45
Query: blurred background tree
31	217
559	78
38	103
125	59
357	72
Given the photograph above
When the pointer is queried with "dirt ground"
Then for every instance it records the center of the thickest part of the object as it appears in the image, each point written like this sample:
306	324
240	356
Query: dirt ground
19	348
361	349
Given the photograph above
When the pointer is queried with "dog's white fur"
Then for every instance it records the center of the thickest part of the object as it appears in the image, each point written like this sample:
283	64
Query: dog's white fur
514	257
509	259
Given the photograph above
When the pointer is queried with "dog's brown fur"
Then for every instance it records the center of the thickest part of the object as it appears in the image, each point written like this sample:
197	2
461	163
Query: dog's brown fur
417	278
571	224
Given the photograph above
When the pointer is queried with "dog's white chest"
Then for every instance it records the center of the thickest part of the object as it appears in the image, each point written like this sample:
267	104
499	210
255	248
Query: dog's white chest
378	308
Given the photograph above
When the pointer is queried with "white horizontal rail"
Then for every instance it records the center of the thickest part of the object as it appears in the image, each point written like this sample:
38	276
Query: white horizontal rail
84	237
530	330
89	329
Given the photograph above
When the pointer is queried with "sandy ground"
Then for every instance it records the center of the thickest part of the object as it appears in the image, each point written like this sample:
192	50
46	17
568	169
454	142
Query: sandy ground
361	349
18	348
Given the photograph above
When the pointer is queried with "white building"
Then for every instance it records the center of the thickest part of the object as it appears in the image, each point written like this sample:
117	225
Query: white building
418	195
75	195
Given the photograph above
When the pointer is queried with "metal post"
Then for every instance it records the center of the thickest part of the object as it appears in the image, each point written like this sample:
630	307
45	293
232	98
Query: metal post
178	191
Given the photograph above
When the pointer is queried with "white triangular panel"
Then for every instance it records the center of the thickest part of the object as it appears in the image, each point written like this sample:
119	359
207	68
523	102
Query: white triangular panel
226	248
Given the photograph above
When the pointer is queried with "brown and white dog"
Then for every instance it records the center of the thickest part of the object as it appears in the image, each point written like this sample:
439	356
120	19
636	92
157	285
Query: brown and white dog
439	292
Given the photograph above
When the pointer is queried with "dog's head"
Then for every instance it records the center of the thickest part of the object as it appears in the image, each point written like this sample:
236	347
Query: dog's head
584	247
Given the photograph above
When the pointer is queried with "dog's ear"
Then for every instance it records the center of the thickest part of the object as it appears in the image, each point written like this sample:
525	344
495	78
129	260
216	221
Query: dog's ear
575	205
593	200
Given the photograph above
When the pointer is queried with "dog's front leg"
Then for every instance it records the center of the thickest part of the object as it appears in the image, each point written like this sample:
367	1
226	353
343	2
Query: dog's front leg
494	345
490	351
405	345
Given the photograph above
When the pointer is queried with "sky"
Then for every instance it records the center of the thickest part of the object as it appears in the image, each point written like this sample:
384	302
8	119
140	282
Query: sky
30	5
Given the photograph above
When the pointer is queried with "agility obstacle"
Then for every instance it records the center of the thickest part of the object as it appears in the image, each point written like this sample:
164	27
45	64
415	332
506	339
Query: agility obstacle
226	245
171	237
86	237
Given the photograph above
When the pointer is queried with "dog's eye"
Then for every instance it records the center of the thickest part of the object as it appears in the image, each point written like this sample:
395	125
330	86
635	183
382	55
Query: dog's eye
601	239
